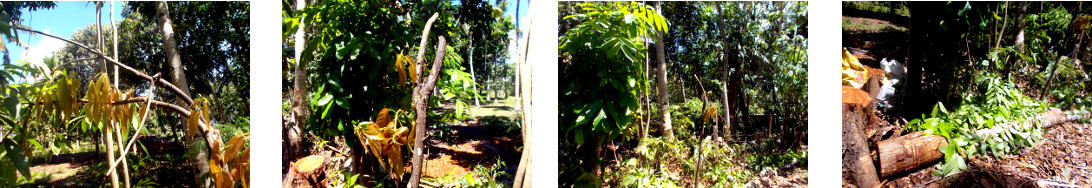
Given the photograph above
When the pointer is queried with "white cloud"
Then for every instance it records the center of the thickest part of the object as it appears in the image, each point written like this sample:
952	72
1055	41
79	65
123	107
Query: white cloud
42	48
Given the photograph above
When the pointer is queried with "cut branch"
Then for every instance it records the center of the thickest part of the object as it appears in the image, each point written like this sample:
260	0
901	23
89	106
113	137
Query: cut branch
421	95
142	75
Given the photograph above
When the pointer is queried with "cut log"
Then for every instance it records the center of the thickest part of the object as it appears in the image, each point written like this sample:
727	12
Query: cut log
856	160
916	150
306	172
852	95
908	152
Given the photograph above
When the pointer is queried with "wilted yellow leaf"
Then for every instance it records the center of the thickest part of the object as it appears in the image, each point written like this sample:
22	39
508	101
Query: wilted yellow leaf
398	64
383	119
412	69
235	145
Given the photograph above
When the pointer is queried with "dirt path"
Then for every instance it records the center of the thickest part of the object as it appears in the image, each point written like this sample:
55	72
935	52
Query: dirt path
493	135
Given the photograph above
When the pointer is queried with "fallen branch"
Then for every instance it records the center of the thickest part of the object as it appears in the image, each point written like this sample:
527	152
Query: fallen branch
916	150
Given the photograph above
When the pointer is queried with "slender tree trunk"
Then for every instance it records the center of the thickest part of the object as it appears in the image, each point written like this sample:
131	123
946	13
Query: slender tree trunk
1004	23
200	159
115	33
124	161
477	101
522	177
110	150
1021	12
122	155
299	96
421	93
661	83
725	66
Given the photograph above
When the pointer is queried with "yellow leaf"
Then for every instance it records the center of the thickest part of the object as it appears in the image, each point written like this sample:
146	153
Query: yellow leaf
192	128
401	71
220	176
235	145
205	113
396	163
412	69
383	119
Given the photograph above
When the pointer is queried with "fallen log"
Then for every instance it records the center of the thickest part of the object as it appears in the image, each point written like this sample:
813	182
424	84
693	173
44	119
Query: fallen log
908	152
916	150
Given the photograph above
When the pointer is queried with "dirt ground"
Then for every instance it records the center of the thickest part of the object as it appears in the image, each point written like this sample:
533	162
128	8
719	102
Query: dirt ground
86	169
456	148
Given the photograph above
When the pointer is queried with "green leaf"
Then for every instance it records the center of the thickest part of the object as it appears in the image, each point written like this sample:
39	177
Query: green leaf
326	98
341	102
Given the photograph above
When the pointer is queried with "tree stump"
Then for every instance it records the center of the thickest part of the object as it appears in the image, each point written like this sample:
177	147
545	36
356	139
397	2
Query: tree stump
306	172
856	159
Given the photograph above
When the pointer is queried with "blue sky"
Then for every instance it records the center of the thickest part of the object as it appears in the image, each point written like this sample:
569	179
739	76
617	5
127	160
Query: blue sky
62	21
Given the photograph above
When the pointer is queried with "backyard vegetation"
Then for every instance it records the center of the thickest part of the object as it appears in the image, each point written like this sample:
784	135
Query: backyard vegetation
682	94
59	113
970	90
403	94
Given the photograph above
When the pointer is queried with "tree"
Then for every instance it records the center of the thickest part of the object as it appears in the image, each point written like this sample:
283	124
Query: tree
372	46
661	80
179	78
600	76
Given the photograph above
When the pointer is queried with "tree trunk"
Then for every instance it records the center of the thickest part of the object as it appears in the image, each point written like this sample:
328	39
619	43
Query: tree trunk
421	93
110	150
200	159
1021	12
908	152
299	94
1004	23
725	66
856	159
522	178
661	83
473	76
114	26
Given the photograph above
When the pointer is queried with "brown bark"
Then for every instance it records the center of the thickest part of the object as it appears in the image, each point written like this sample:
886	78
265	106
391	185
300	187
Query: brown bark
1021	12
421	94
856	160
908	152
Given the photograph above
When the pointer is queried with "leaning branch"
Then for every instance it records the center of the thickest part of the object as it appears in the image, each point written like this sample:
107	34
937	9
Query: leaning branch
158	82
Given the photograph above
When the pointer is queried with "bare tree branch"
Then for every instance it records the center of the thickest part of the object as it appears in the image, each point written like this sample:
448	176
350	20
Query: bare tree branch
158	82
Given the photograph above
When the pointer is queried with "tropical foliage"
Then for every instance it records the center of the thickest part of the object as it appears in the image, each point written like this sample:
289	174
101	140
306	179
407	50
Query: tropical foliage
735	61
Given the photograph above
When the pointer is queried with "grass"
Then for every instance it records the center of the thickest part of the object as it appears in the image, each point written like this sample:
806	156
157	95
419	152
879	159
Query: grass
878	7
505	107
867	25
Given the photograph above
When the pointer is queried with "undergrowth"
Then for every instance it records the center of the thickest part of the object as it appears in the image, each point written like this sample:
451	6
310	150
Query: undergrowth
1002	104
